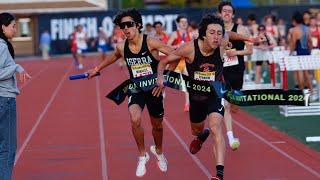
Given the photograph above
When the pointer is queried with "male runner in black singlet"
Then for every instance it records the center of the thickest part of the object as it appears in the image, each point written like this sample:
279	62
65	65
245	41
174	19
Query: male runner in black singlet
234	66
141	54
203	58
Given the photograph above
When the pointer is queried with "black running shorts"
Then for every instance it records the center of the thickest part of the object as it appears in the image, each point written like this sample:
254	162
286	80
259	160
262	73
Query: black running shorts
259	63
200	109
233	79
154	104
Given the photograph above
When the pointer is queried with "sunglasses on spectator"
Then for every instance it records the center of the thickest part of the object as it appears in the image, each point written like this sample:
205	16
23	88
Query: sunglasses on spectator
129	24
261	29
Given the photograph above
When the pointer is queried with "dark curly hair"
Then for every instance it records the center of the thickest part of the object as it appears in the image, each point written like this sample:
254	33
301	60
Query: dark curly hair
6	19
252	17
156	23
206	20
297	16
225	3
181	16
133	13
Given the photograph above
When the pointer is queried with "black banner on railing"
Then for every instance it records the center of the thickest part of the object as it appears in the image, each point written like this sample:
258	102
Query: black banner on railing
184	83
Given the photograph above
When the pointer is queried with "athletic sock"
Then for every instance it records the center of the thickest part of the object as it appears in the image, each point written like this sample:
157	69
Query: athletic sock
219	169
204	135
230	136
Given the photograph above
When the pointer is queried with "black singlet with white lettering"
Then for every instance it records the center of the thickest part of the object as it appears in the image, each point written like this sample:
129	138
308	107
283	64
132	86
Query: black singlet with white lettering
203	68
239	46
140	64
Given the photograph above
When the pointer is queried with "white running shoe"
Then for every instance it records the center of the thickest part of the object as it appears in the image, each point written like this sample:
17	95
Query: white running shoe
141	167
162	161
80	66
234	144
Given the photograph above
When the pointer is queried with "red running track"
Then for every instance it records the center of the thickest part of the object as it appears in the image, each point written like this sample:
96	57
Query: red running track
68	130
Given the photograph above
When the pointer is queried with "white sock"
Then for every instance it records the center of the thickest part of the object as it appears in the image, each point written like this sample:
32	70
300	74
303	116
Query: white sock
230	136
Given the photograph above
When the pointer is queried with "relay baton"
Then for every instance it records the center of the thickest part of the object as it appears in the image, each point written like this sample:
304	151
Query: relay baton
81	76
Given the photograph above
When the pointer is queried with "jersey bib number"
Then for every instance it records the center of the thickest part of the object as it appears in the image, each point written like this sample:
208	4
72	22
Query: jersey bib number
230	61
204	76
141	70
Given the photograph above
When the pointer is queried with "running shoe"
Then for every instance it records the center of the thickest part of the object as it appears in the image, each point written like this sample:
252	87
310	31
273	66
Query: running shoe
162	161
234	144
141	167
196	144
80	66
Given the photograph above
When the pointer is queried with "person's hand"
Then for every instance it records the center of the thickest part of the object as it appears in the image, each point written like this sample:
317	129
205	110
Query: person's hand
92	72
23	76
160	86
231	53
260	38
229	45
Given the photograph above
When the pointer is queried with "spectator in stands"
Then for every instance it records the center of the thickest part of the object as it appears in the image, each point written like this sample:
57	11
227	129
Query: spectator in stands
271	29
300	41
177	38
318	19
193	29
8	92
282	32
81	41
239	21
261	52
281	27
45	42
314	33
148	30
118	37
252	25
306	18
103	43
161	35
159	32
73	46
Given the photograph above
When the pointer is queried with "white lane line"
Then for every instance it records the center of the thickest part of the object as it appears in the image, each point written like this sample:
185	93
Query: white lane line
101	134
185	147
35	126
277	142
278	150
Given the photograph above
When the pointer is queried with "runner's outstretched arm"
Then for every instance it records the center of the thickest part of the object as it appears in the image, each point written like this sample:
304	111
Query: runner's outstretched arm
184	51
242	31
114	56
164	48
155	44
236	36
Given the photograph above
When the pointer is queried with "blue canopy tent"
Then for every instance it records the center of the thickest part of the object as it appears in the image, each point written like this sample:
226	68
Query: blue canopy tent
242	3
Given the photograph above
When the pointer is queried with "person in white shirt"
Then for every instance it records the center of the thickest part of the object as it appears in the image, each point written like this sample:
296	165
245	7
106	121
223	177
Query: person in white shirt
81	41
103	41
